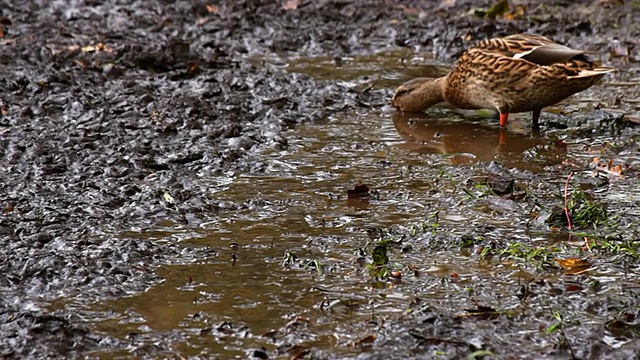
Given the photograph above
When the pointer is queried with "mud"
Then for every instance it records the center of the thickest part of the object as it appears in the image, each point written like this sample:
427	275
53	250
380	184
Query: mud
117	115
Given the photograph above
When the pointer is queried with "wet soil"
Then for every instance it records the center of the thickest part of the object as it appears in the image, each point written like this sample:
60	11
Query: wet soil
132	132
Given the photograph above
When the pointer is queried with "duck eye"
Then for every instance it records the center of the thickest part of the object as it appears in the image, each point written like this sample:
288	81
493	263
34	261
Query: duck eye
401	92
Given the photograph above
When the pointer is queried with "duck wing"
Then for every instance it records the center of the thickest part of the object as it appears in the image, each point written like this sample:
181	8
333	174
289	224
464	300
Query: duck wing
534	48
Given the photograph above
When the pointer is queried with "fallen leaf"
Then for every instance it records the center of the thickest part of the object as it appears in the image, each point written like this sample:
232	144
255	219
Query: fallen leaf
299	352
168	198
360	191
99	47
573	287
633	119
291	4
447	3
608	167
574	266
81	63
482	312
73	48
364	340
518	12
410	10
569	263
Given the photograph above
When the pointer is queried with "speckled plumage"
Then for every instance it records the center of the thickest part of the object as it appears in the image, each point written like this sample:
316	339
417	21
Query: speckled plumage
517	73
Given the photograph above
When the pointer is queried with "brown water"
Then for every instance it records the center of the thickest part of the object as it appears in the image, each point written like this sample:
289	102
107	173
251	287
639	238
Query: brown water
300	200
298	206
384	68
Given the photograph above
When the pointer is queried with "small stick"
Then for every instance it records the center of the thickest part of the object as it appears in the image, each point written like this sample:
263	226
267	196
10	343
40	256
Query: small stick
566	208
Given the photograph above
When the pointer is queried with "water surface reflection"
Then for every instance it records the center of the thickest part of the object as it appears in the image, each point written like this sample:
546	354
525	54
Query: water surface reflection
296	206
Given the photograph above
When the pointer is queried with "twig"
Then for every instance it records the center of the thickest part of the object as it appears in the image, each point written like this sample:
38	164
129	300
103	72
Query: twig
404	65
566	195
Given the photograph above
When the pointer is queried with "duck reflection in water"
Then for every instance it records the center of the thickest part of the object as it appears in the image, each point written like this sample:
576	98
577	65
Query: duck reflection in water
426	134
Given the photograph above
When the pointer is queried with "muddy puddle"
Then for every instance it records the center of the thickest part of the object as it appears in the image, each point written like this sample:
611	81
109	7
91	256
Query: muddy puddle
223	180
291	261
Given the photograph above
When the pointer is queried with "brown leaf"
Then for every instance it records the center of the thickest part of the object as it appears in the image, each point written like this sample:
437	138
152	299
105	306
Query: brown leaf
518	12
447	3
299	352
81	63
364	340
569	263
359	192
574	266
608	167
633	119
358	197
291	4
573	287
483	312
410	10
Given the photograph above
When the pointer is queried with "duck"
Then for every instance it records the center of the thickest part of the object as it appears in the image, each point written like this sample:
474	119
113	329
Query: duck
512	74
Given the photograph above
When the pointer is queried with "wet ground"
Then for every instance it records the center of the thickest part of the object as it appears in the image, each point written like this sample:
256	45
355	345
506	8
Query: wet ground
174	183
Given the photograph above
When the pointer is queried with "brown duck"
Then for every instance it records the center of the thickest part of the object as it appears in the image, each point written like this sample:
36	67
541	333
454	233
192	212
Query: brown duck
517	73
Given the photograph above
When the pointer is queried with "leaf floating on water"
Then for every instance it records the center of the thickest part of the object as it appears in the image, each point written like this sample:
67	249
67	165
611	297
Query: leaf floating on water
364	340
569	263
573	288
574	266
481	311
299	352
608	168
359	192
358	197
623	329
633	119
